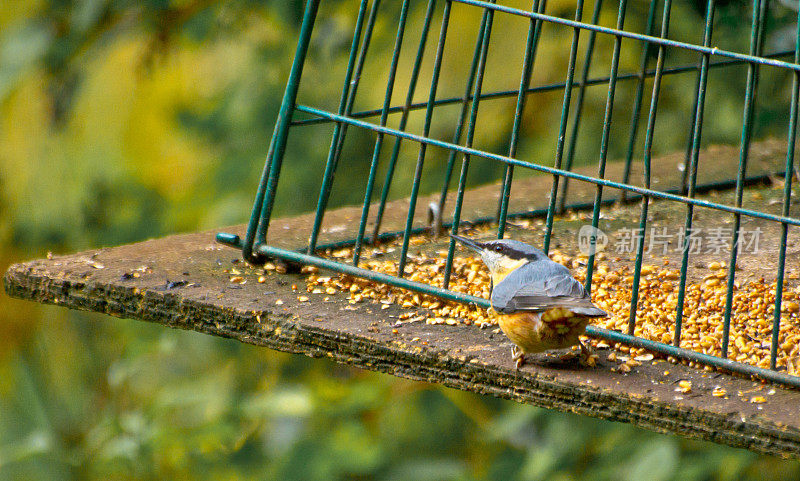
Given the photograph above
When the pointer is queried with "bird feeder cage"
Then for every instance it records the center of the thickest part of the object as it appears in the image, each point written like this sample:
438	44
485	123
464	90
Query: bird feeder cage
443	130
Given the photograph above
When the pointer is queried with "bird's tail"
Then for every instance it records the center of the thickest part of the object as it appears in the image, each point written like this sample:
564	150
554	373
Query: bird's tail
589	311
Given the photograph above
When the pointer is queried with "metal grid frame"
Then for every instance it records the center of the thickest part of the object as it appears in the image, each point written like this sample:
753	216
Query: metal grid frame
256	250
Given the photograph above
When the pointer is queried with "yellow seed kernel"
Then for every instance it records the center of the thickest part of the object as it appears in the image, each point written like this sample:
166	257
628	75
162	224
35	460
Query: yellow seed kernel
647	270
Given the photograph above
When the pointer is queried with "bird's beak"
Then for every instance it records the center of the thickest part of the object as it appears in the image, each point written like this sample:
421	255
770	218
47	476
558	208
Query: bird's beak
476	246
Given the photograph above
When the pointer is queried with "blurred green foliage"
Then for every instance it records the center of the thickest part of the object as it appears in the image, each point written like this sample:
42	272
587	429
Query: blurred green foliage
122	120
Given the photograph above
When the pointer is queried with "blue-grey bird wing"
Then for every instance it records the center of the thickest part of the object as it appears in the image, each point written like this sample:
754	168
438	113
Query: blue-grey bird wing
542	285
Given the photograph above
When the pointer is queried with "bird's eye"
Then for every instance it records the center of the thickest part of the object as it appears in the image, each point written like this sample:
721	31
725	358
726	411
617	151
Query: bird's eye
498	248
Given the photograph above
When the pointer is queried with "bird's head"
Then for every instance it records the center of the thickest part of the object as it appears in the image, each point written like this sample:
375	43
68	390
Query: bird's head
503	256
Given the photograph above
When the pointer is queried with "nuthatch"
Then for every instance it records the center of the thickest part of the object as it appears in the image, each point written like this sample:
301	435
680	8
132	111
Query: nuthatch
538	304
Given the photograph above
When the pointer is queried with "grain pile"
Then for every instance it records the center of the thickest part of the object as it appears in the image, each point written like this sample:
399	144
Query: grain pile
751	319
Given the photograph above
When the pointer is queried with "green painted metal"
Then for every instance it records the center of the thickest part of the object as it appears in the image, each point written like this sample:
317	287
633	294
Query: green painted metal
473	122
384	118
562	130
660	194
412	201
265	196
534	33
756	40
465	103
537	89
695	157
701	49
637	100
349	89
579	100
601	167
256	249
646	160
787	195
404	119
236	242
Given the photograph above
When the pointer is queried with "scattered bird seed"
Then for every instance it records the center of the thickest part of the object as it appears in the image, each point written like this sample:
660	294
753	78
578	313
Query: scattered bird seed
751	319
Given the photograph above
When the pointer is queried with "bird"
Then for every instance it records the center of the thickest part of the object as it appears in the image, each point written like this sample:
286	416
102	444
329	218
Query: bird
538	304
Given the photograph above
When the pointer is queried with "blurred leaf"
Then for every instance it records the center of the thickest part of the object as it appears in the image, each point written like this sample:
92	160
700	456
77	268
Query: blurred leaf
124	120
21	47
657	463
429	470
285	401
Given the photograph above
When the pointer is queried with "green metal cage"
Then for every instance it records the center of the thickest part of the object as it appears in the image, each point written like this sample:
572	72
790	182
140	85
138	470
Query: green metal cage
656	47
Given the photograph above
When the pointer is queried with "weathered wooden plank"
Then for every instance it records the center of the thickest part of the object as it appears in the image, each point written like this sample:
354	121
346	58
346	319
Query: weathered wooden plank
183	281
182	284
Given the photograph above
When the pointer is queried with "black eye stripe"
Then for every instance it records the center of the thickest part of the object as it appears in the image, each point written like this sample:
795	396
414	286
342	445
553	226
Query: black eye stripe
508	251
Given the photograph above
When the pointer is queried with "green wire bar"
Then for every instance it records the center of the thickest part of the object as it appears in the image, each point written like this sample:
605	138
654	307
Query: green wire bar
345	107
646	164
666	195
636	110
694	159
485	34
562	129
534	33
404	119
756	40
604	139
473	120
376	19
579	100
385	117
787	194
538	89
465	103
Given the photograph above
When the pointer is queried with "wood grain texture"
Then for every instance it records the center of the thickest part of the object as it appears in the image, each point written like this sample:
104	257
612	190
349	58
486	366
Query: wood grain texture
182	284
183	281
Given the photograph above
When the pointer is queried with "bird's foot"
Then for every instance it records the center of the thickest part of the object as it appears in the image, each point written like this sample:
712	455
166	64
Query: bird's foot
587	357
518	356
566	357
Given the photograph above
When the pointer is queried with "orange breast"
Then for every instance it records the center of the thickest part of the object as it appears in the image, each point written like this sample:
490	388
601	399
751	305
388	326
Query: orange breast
537	332
523	329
